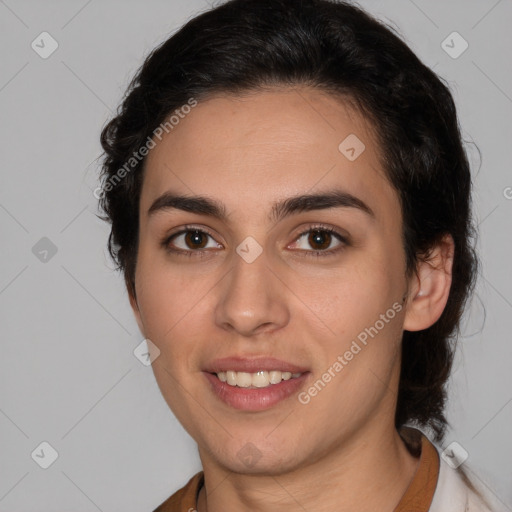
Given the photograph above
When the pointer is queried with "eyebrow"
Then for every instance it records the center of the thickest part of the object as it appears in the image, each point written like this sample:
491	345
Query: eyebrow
292	205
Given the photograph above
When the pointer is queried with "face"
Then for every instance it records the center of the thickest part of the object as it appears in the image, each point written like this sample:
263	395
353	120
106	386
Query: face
298	306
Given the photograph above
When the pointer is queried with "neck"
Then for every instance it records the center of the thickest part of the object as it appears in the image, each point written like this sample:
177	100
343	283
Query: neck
369	472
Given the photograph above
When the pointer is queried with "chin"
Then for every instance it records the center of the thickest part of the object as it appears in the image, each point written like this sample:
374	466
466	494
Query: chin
258	457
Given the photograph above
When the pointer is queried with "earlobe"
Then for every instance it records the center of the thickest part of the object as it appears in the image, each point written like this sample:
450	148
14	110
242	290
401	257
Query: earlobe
430	287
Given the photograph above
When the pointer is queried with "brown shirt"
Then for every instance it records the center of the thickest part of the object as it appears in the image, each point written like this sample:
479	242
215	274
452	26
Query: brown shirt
417	497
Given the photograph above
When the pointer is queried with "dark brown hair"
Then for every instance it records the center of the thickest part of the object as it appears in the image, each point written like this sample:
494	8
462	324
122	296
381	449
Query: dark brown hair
247	45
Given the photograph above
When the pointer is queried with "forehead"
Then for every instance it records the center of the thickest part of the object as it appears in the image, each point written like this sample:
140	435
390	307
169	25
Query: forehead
267	145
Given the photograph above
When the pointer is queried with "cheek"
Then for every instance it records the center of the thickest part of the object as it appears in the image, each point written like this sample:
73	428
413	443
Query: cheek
354	293
358	315
173	315
164	292
165	306
357	367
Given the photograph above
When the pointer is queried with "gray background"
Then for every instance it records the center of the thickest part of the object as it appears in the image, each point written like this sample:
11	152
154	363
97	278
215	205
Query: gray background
68	375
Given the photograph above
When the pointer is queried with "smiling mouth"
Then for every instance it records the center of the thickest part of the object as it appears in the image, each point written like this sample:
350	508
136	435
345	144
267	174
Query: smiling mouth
260	379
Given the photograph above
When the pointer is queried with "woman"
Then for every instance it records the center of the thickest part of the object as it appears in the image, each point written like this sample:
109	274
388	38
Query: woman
291	208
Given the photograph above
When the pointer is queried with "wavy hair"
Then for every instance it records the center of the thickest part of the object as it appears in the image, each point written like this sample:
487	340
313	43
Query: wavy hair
249	45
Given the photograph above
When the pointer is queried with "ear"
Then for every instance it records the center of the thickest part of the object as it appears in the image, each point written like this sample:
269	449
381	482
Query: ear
429	287
135	306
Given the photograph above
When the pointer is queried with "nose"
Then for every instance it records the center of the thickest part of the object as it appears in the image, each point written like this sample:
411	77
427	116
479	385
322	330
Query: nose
252	299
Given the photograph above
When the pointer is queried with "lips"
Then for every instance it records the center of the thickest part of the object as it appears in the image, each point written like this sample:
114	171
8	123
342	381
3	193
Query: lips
230	381
253	365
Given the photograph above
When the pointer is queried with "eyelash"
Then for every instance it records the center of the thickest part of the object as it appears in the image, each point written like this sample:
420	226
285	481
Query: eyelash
314	253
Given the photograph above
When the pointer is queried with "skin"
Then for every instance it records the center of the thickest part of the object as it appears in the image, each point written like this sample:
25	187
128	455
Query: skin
247	152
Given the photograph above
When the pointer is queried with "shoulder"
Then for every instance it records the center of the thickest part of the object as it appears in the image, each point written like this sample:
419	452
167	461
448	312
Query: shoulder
184	499
456	493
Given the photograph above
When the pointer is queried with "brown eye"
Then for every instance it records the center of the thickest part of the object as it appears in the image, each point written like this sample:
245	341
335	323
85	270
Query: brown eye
196	239
189	241
319	240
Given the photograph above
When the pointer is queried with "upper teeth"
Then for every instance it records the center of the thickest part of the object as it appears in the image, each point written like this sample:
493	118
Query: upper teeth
259	379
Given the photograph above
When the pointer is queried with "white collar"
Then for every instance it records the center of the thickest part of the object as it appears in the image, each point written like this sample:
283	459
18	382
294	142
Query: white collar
453	495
